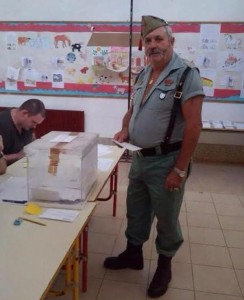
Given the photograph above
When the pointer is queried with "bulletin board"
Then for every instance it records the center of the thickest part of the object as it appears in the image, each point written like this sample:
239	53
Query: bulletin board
92	59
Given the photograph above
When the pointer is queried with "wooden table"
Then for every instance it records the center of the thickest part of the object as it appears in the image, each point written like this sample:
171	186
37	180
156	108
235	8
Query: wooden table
31	255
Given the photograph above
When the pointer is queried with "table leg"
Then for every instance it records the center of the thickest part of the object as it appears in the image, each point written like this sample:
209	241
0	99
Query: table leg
68	267
76	270
113	189
84	258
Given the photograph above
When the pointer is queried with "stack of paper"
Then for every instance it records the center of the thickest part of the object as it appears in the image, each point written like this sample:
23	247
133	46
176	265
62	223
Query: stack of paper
228	124
217	124
206	124
238	125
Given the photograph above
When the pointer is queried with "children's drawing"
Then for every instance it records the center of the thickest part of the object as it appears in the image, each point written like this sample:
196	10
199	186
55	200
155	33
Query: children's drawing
232	42
62	39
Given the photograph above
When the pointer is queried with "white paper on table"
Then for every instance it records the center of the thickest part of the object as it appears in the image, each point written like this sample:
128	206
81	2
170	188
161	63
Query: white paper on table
66	215
103	150
63	138
14	188
127	146
104	164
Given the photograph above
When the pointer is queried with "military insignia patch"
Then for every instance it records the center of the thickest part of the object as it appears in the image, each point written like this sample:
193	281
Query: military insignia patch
168	81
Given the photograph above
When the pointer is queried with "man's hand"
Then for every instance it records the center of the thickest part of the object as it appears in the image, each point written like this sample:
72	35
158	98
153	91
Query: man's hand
10	158
121	136
1	143
173	181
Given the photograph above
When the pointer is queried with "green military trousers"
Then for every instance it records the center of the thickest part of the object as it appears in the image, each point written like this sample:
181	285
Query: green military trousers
147	198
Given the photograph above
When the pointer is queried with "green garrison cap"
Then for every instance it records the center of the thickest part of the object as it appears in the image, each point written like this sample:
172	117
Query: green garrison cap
150	23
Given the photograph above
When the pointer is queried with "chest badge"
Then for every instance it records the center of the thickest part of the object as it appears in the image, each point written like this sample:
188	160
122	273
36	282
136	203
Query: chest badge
162	96
168	81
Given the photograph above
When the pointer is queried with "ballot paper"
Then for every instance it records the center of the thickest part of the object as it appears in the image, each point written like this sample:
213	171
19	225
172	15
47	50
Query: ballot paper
63	138
66	215
127	146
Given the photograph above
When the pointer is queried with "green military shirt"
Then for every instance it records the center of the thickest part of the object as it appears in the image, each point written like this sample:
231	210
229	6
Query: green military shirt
150	120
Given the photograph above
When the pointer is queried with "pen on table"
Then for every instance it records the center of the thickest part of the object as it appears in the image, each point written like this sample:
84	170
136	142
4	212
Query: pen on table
32	221
14	201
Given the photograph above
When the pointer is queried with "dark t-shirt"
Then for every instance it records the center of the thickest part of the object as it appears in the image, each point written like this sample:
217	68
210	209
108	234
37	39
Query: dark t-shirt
13	140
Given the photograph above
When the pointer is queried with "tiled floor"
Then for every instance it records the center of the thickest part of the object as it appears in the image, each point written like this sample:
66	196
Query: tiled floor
209	265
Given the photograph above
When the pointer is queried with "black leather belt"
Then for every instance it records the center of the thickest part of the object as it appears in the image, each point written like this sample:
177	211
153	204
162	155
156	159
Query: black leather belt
161	149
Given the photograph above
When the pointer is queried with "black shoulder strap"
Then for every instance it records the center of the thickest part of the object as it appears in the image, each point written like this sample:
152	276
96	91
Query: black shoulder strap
138	75
176	105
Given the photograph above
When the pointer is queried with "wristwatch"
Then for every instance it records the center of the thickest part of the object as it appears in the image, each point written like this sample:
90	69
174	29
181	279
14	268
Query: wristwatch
179	172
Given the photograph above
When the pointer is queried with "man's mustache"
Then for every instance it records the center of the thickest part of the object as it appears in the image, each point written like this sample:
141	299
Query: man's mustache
156	51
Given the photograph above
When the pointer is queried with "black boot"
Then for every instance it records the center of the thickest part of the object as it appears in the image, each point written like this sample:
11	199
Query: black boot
161	278
131	258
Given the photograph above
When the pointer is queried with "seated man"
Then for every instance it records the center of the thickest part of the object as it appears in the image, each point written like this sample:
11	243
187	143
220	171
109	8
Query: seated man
3	164
17	127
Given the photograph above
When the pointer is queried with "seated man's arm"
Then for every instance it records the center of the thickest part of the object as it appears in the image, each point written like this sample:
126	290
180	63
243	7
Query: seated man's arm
11	158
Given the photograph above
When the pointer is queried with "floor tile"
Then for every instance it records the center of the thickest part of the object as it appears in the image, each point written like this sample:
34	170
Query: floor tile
112	290
95	265
101	243
240	277
93	287
208	236
200	207
230	222
183	219
230	210
210	255
215	280
181	276
108	224
210	296
234	238
106	209
241	198
227	199
237	256
198	196
203	220
177	294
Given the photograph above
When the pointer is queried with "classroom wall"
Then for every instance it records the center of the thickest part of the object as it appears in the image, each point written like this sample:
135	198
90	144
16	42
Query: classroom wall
104	115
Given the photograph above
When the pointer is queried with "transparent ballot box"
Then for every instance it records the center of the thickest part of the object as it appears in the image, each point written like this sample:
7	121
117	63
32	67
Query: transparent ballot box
61	168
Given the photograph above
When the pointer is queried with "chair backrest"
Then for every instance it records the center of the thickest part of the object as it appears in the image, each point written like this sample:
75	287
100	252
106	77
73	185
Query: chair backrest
60	120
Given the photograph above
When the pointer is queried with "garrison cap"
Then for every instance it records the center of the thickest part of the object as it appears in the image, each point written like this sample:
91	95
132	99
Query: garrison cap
150	23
